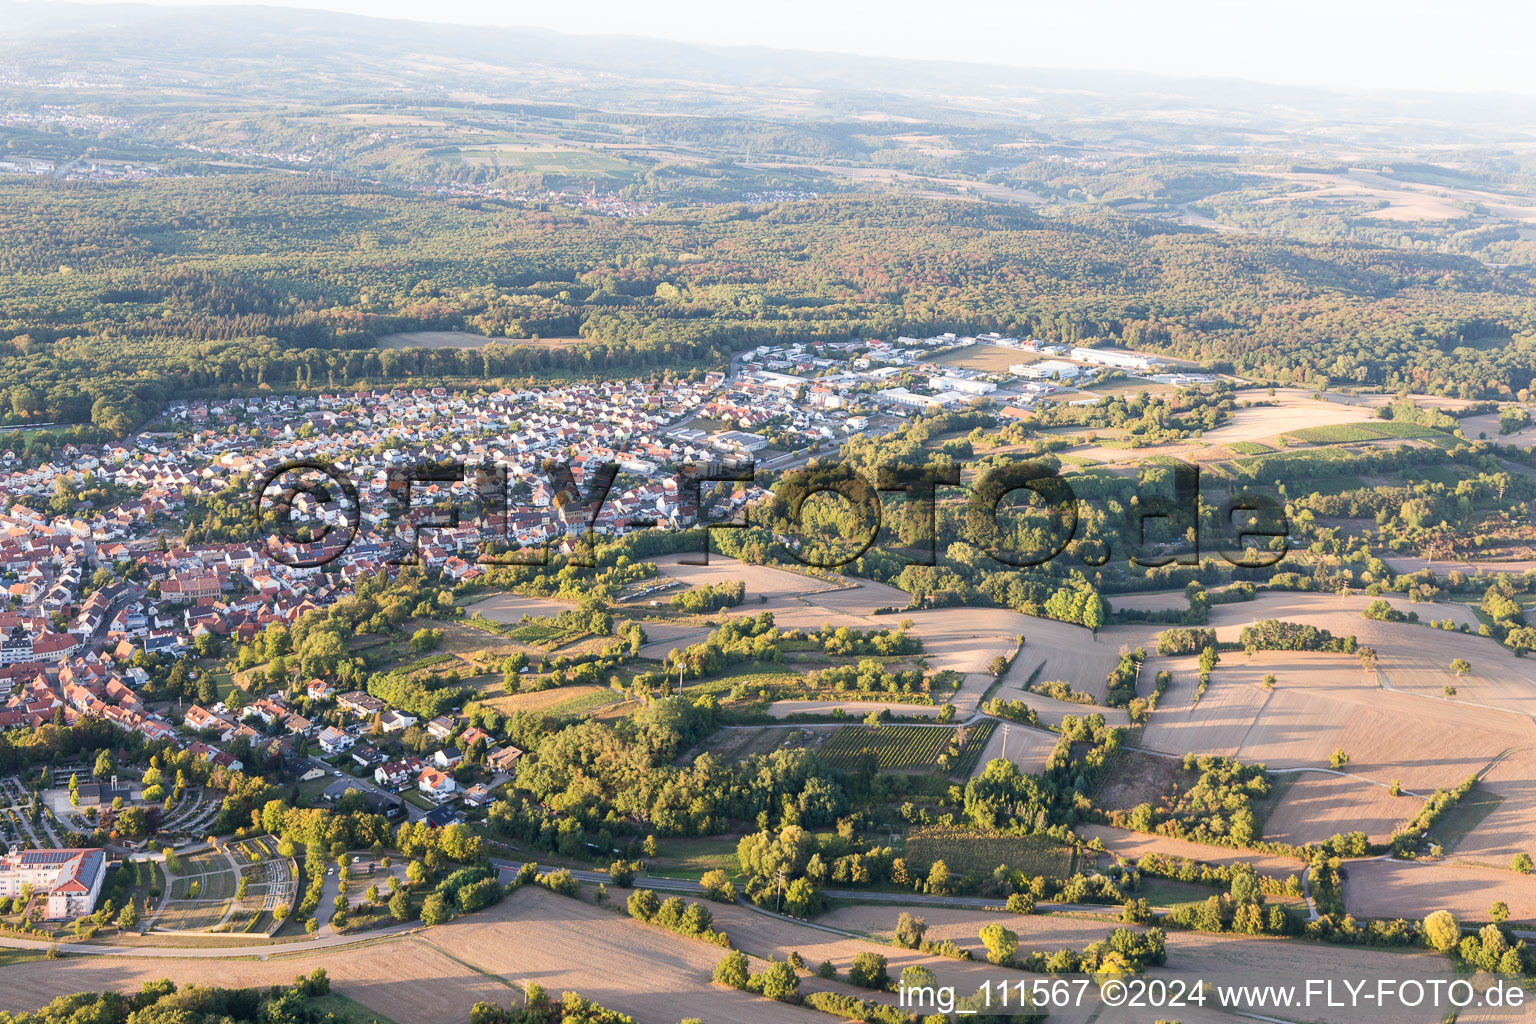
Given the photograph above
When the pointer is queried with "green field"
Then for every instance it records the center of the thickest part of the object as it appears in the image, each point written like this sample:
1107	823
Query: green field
902	746
583	704
338	1008
1250	448
1344	433
965	851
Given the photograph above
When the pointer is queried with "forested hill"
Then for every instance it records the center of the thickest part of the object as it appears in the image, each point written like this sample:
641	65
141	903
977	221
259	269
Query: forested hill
116	295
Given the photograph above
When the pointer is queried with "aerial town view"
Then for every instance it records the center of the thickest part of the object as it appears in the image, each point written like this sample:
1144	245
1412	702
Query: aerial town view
651	515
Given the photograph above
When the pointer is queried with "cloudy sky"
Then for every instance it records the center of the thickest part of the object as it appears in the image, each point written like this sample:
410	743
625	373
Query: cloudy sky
1472	46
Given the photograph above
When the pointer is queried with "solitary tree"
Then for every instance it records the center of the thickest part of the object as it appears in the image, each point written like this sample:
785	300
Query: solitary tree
434	910
1338	758
909	930
1460	667
1521	863
1499	912
1001	943
1442	931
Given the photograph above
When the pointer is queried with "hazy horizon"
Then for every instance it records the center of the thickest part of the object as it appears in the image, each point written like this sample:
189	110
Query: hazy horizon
1371	46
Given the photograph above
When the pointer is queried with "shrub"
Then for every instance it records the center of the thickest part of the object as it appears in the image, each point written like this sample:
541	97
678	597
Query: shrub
1001	943
733	970
1020	903
868	971
910	930
643	904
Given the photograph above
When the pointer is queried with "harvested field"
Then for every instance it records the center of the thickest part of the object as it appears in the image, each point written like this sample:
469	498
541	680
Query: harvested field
1488	423
564	944
662	638
1411	657
760	580
1322	703
1162	600
1292	409
406	980
1135	845
1064	651
1280	962
1317	802
177	915
511	608
851	708
1401	888
1497	819
544	700
1024	746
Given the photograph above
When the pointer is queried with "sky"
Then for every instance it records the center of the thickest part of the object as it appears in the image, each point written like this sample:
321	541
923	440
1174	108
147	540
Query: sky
1470	46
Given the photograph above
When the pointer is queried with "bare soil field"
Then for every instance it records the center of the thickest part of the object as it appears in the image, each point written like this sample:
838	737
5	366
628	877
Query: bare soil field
1402	888
1488	423
1139	778
1316	802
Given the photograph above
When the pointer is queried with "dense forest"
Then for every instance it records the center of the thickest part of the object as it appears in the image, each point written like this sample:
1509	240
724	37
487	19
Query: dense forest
119	294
